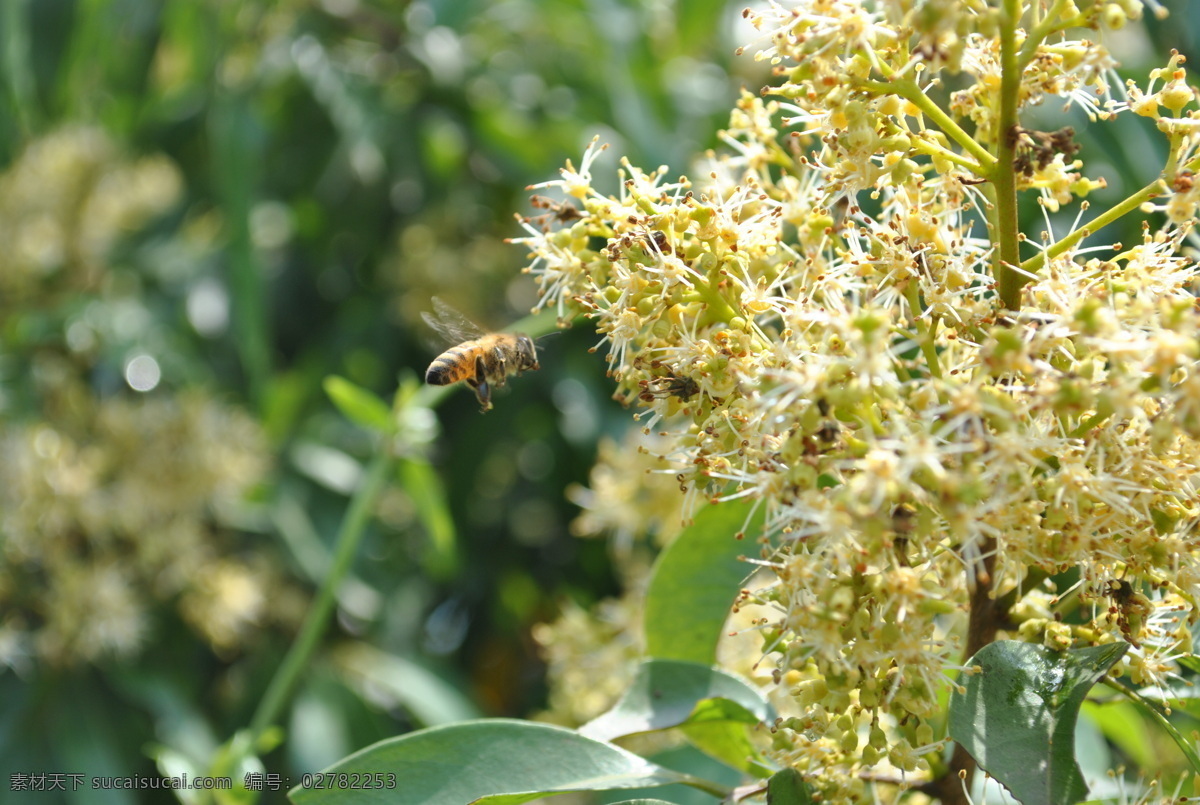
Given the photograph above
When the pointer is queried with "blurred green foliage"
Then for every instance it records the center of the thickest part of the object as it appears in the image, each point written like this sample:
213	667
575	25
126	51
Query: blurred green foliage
210	208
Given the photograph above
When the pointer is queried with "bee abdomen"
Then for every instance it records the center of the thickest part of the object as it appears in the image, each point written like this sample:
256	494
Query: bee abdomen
449	367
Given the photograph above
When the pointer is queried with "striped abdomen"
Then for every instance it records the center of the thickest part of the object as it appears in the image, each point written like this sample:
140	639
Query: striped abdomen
453	365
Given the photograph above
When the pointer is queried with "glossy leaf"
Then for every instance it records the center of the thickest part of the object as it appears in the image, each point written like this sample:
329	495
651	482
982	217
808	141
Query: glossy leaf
685	759
728	741
695	582
713	708
359	405
495	761
668	693
1017	716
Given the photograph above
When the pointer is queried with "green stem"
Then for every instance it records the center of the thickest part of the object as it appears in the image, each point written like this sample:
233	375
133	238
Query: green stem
1050	24
718	306
932	149
911	92
924	334
1133	202
708	786
354	524
1003	174
1117	211
1184	744
719	309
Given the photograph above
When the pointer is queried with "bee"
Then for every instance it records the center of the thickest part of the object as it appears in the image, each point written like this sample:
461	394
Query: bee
668	385
563	212
483	360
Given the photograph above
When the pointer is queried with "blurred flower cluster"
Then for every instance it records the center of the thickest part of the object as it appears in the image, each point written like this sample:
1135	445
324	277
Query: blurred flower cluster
591	654
625	470
64	204
110	502
819	324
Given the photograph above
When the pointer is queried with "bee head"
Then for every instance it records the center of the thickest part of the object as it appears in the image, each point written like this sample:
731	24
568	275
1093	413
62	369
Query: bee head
526	353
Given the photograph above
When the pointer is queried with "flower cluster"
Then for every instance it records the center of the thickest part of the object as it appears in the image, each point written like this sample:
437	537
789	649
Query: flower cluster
64	204
110	506
110	514
820	325
626	470
590	656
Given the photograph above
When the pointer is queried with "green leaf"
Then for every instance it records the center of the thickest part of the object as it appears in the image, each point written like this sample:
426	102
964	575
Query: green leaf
237	758
172	763
701	22
669	693
714	709
685	759
1121	723
728	741
359	405
1190	662
695	581
428	694
80	726
1017	717
494	761
643	802
787	787
18	72
1095	757
425	489
238	141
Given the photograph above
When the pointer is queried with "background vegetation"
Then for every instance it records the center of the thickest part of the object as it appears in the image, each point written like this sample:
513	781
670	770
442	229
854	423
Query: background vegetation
209	207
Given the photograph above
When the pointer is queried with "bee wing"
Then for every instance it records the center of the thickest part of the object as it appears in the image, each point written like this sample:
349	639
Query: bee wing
544	337
450	324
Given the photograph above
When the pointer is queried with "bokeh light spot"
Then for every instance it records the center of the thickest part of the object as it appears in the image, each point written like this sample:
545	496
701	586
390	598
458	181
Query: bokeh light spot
142	373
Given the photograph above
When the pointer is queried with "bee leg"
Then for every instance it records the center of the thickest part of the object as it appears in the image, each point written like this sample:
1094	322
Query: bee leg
502	367
483	392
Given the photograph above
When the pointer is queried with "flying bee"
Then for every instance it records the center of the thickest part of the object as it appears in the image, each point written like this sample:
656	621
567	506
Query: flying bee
483	360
